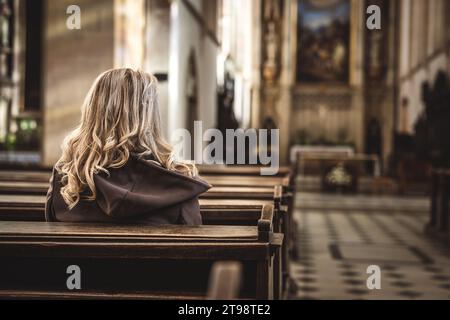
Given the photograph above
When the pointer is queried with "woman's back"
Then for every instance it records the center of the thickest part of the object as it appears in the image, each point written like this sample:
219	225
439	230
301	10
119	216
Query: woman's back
142	191
116	166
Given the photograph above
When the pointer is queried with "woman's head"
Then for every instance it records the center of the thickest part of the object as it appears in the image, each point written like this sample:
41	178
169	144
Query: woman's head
120	116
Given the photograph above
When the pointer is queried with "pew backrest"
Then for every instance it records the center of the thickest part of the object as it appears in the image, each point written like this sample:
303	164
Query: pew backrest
25	241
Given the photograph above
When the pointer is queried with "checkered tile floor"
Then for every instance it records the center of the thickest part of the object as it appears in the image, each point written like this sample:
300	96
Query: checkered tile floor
340	236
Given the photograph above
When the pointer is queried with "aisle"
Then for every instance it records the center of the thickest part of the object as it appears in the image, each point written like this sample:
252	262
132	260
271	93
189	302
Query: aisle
340	236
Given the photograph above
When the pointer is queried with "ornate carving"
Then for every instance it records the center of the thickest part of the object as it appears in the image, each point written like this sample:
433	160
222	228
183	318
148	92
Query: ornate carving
271	40
271	59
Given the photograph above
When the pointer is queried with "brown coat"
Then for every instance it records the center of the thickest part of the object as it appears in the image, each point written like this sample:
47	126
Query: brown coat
140	192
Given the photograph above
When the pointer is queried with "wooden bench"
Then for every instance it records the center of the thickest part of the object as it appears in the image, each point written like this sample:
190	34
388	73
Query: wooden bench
263	189
31	207
24	187
25	175
283	220
41	188
246	181
224	284
240	170
213	211
235	212
256	187
33	181
215	171
12	189
221	175
226	170
153	262
224	186
250	176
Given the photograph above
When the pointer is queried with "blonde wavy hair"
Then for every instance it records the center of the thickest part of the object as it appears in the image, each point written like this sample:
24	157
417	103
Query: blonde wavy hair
120	117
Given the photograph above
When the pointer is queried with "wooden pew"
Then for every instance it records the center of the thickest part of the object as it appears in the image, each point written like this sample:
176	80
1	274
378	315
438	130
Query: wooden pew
241	211
223	171
41	188
217	192
250	176
241	170
246	181
25	175
29	210
282	220
225	186
219	175
257	188
31	206
162	262
23	187
213	211
44	175
22	208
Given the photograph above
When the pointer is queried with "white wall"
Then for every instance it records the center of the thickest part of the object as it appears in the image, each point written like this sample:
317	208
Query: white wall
417	66
157	51
237	34
72	61
185	35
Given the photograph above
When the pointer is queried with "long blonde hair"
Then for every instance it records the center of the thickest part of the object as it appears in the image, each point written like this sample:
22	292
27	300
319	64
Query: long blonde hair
120	116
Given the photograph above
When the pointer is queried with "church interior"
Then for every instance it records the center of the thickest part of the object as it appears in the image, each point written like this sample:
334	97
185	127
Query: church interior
358	91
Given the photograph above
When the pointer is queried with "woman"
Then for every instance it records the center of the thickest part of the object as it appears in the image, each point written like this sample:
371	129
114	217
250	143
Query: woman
116	167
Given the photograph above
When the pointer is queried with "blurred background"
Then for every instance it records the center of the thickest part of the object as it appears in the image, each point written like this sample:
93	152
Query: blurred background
311	68
362	112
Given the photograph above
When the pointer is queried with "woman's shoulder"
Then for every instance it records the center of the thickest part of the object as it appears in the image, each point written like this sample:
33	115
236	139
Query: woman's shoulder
149	163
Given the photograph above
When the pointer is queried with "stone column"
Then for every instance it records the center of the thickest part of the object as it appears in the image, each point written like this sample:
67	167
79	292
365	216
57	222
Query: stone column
72	59
284	104
357	70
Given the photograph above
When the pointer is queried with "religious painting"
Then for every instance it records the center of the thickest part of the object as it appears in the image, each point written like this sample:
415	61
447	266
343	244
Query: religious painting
323	41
